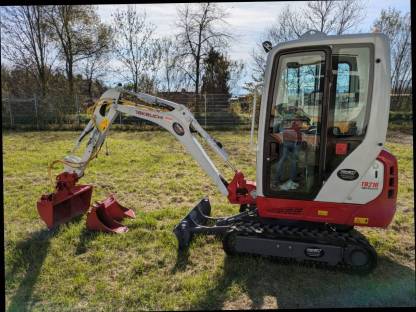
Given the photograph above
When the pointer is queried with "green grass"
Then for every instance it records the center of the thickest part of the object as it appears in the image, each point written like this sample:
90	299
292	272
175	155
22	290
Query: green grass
73	269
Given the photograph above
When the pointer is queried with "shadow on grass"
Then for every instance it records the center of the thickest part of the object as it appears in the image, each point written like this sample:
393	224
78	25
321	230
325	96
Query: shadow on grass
182	260
297	286
29	255
85	237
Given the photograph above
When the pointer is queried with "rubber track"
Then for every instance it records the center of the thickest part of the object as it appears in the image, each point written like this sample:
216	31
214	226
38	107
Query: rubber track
304	234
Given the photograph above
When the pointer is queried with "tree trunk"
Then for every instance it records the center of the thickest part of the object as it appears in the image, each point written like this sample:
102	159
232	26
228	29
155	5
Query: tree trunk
70	81
90	87
197	69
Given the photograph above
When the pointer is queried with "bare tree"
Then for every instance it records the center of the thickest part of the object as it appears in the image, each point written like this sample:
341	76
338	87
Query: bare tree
320	15
200	31
79	35
349	14
330	17
135	47
94	68
397	27
26	42
173	78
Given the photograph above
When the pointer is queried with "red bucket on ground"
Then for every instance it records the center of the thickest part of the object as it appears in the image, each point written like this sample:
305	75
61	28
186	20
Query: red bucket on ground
100	219
67	202
104	216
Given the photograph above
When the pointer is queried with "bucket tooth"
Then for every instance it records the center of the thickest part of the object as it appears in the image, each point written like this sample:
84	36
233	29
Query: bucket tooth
117	211
67	202
98	219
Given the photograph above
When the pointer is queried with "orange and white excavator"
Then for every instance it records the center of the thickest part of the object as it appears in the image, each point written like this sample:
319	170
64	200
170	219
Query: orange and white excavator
322	168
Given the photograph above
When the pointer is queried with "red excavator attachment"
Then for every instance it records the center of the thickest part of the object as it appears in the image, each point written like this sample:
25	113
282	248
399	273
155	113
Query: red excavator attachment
67	202
103	216
117	211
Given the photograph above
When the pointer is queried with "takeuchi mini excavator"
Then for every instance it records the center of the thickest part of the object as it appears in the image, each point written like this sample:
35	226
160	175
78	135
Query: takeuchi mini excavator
321	170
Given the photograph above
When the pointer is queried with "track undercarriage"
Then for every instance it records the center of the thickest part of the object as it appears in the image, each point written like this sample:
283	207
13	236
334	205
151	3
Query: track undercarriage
323	245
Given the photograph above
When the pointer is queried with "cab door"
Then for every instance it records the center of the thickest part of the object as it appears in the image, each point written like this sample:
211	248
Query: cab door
296	123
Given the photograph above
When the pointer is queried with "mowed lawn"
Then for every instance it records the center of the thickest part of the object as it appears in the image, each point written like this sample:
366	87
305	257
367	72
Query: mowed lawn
73	269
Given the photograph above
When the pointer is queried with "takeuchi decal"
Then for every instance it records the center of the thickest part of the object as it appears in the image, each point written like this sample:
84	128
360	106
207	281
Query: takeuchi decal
348	174
149	115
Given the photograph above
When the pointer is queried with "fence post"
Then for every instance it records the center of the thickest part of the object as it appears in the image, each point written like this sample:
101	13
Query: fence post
205	104
10	112
253	118
78	117
35	102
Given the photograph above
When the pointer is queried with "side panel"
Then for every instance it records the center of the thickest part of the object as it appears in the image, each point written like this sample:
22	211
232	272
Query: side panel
377	213
364	155
370	186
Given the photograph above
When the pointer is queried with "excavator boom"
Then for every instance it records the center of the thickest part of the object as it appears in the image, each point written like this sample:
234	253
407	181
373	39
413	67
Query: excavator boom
173	117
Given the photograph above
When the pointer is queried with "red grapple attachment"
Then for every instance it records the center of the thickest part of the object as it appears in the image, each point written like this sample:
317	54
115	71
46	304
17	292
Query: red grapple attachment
117	211
67	202
100	219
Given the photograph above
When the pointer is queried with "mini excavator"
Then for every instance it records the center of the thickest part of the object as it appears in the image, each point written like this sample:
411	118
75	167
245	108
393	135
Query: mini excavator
322	168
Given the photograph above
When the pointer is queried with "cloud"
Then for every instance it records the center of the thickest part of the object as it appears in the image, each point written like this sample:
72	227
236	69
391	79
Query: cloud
247	21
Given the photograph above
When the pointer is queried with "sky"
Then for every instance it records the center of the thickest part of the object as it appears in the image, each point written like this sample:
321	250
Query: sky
247	21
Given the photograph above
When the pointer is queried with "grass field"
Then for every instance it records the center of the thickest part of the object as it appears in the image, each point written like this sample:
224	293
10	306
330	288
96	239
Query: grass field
73	269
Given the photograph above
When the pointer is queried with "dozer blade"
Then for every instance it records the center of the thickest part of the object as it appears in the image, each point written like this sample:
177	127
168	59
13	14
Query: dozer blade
67	202
117	211
99	219
196	218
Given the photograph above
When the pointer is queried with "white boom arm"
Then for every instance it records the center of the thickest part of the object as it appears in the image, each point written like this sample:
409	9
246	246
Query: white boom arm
174	117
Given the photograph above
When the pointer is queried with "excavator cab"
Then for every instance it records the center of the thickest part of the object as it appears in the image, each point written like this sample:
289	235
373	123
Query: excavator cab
322	126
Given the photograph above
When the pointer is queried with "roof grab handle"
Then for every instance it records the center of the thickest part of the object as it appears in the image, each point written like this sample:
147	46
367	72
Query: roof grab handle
313	33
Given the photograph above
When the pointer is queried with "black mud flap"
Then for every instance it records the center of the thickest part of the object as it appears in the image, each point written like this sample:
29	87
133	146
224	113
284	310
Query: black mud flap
196	218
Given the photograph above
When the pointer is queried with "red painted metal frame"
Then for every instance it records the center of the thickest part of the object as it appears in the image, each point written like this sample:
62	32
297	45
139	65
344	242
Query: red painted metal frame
239	190
379	211
67	202
105	216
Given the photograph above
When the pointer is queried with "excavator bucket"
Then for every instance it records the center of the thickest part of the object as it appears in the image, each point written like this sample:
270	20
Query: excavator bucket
99	219
117	211
67	202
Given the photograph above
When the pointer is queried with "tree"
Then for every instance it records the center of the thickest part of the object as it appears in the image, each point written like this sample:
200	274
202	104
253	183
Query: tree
199	33
26	42
94	68
173	78
397	27
136	48
330	17
216	73
79	34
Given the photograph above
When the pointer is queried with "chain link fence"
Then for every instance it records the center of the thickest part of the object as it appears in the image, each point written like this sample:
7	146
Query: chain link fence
213	111
59	113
